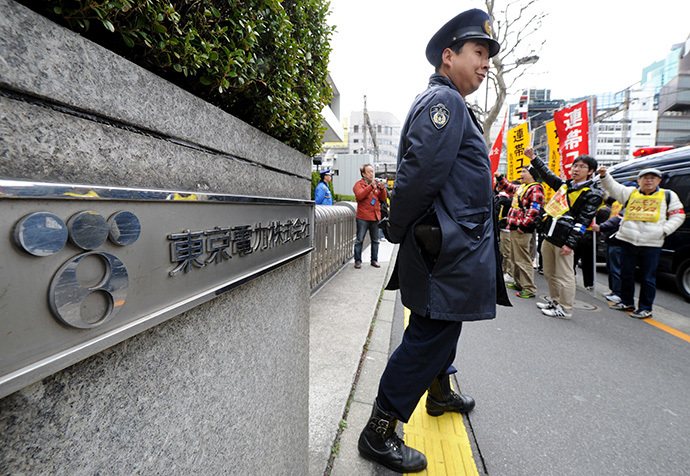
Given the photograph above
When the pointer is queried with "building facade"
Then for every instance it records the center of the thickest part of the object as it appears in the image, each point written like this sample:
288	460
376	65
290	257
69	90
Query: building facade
626	122
387	134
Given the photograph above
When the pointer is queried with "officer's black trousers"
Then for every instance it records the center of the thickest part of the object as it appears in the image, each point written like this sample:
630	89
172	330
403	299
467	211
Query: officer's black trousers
427	351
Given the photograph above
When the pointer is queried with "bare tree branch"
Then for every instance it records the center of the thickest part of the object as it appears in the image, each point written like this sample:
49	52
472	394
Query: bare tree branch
520	23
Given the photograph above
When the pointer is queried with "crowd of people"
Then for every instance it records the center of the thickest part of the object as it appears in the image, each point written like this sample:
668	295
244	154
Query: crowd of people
634	219
448	268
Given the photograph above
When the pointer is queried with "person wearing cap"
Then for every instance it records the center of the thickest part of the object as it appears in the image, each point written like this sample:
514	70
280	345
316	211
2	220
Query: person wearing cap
566	218
528	200
441	214
322	194
651	214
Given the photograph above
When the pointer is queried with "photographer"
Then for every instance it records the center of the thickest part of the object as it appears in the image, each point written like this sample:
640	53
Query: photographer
370	193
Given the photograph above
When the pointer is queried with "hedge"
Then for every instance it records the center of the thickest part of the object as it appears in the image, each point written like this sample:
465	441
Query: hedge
263	61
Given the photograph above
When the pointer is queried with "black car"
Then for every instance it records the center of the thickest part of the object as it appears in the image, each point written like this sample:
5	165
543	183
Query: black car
675	165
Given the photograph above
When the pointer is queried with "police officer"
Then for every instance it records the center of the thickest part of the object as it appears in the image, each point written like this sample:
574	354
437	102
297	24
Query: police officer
441	214
322	194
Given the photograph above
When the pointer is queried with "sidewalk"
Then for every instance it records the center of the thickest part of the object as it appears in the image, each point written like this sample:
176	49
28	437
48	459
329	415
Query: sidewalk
350	336
342	317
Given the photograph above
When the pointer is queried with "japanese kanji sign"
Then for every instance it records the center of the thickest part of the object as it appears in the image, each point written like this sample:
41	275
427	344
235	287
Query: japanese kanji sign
495	153
518	141
572	125
554	157
88	267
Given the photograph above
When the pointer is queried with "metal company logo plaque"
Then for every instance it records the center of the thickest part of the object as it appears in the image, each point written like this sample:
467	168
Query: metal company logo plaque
87	267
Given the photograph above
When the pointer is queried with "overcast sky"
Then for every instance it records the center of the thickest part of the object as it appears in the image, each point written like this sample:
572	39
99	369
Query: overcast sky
592	46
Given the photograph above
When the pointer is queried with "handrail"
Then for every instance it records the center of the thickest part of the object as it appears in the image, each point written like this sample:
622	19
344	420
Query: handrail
334	237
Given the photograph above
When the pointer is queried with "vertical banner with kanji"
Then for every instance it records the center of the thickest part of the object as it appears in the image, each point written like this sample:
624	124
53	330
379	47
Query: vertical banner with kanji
572	125
518	141
495	154
554	157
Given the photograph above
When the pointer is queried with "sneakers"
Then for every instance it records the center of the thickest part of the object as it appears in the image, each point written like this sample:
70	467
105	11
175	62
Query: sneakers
525	294
641	314
513	286
623	307
508	278
614	298
546	305
557	312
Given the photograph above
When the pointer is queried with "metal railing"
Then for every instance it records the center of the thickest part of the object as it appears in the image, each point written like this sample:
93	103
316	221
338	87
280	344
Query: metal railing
334	237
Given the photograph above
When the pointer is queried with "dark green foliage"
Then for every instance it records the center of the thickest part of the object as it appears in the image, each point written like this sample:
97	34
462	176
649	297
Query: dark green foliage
263	61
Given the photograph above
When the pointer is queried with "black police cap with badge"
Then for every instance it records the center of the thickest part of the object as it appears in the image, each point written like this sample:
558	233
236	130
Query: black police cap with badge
470	25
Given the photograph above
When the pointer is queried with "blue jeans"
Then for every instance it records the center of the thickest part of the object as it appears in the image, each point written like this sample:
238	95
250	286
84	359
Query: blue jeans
362	227
647	257
613	266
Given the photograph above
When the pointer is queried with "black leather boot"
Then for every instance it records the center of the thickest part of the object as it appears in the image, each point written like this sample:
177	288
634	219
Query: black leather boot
441	398
380	443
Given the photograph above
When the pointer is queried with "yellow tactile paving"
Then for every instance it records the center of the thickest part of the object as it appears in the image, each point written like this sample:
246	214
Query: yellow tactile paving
442	439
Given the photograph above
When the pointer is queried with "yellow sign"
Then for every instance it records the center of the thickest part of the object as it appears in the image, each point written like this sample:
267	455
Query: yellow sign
644	207
554	156
518	141
558	204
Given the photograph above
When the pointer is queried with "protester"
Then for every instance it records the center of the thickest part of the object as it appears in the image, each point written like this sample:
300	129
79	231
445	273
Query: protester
322	194
528	200
369	193
608	231
441	214
651	214
567	215
583	256
502	201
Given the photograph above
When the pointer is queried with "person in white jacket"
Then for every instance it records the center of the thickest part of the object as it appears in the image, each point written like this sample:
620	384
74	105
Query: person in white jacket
651	214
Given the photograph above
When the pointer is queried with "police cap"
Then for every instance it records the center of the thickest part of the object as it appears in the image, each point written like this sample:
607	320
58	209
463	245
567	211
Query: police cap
325	172
470	25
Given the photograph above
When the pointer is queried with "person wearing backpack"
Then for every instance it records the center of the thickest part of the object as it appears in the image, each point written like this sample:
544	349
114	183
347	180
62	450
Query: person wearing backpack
651	214
566	218
528	200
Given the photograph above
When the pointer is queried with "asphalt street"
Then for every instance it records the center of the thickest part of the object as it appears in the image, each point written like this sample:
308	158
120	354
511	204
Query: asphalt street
601	394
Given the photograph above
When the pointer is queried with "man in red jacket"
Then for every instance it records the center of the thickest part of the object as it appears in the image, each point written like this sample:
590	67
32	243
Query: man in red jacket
369	193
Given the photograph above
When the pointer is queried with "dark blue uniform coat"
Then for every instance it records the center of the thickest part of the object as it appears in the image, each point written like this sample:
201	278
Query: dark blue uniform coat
444	170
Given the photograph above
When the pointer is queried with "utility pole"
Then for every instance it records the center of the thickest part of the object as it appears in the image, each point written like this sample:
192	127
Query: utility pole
367	125
625	136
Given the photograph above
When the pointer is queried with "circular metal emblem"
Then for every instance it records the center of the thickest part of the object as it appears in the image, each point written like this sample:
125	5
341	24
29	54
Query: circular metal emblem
125	228
88	230
40	233
84	306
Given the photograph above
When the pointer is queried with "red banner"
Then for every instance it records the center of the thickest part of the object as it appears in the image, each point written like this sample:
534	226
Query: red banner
495	154
572	126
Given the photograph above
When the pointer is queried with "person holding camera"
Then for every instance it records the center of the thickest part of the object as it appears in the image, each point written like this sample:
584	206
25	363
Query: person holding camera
370	193
566	218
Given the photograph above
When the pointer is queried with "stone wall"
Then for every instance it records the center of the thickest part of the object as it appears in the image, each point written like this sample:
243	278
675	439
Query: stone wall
220	389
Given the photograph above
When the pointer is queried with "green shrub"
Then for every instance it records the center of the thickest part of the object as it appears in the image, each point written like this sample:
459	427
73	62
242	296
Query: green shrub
263	61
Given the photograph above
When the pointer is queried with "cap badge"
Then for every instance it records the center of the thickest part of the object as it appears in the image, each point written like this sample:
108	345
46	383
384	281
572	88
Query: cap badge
487	27
439	115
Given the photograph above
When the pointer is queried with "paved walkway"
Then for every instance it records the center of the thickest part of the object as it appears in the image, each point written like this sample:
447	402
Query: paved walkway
351	325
